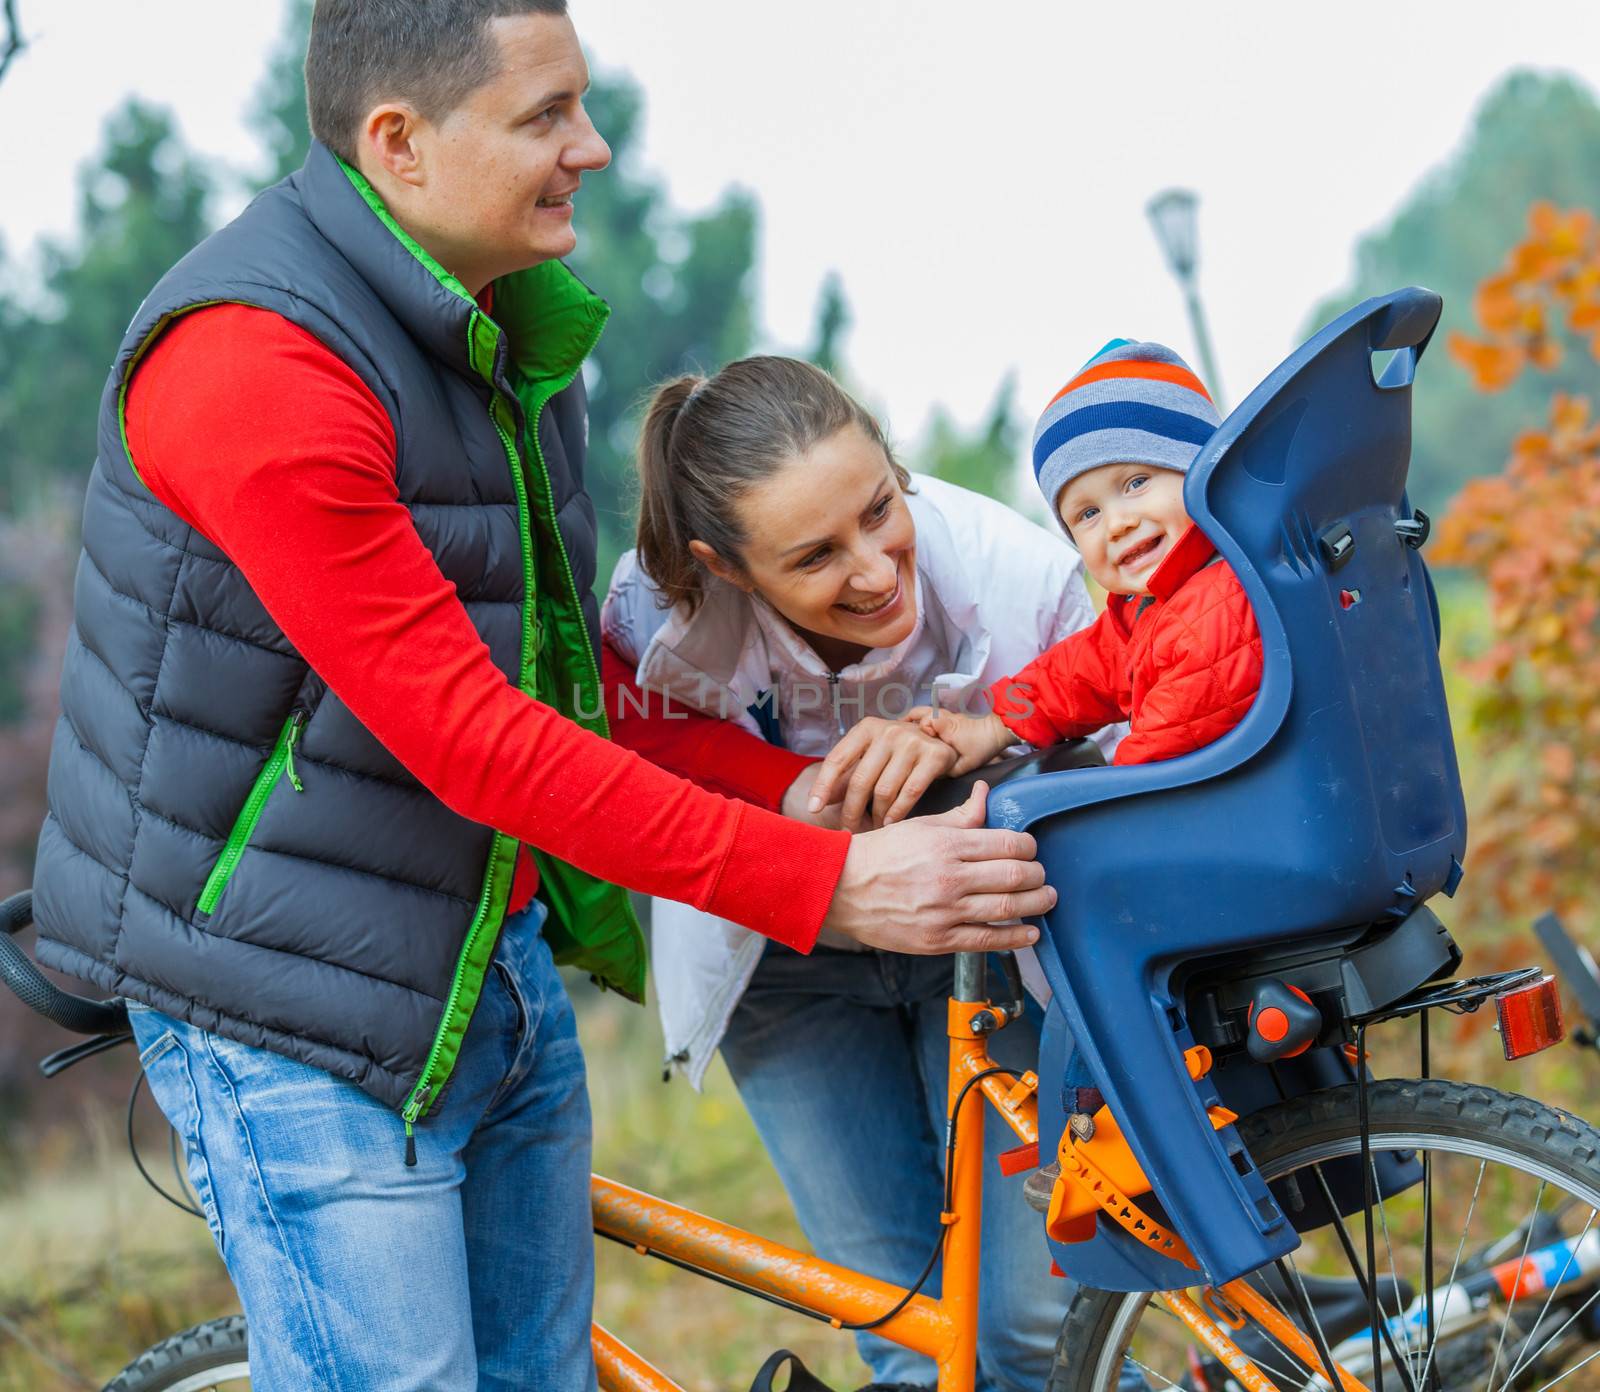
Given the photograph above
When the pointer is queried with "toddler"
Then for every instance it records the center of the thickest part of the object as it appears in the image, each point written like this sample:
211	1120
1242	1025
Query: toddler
1176	652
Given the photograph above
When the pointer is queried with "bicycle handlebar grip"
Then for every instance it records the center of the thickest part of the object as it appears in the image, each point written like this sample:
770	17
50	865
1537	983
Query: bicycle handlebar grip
36	991
16	913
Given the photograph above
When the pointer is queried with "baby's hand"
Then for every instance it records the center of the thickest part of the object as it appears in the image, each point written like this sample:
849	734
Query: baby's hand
976	739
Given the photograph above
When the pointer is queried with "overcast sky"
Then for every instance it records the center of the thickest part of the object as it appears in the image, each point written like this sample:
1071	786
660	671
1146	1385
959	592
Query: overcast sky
977	173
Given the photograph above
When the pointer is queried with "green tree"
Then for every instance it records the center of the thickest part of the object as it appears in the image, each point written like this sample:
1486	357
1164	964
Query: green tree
984	459
679	289
19	625
279	105
142	206
1535	137
833	323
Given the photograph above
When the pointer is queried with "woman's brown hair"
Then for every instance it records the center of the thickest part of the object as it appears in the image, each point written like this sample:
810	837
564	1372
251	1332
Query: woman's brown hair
706	441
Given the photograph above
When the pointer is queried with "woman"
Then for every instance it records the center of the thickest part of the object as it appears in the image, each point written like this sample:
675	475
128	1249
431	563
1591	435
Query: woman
790	580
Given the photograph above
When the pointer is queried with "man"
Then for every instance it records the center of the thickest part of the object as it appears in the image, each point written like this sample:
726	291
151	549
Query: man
333	661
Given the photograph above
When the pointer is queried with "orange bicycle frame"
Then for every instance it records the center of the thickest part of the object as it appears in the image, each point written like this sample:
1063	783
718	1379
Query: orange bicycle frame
945	1328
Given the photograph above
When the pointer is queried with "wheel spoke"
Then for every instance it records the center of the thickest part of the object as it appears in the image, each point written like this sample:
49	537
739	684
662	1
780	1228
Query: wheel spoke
1429	1328
1451	1129
1549	1295
1522	1362
1455	1266
1300	1371
1320	1339
1350	1256
1574	1368
1527	1242
1278	1374
1145	1368
1394	1280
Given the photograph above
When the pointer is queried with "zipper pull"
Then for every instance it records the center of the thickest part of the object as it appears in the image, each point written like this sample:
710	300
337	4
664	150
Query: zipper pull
297	723
413	1110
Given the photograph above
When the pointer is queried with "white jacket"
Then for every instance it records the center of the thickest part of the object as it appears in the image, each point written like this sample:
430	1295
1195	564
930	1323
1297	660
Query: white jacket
993	592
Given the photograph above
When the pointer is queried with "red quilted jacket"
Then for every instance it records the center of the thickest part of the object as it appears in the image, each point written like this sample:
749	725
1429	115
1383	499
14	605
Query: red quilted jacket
1182	667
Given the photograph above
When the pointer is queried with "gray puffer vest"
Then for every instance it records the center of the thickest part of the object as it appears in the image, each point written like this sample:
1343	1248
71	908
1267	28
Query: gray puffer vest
348	925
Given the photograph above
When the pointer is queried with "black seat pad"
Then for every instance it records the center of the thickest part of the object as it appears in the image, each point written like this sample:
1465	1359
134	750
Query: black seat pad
952	792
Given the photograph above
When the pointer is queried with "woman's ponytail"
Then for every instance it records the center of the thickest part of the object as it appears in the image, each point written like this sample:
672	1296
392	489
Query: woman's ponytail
662	542
705	442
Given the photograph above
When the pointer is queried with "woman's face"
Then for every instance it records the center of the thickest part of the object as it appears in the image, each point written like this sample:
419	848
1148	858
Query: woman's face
832	546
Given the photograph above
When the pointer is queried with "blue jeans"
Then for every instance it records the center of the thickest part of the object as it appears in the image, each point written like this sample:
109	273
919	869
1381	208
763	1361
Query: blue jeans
842	1060
475	1269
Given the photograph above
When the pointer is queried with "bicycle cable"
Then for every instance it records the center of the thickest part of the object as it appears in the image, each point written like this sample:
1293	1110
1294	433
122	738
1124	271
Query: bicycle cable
133	1150
949	1198
949	1192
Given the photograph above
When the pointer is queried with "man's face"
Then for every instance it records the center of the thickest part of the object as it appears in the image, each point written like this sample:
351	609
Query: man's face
501	170
1125	518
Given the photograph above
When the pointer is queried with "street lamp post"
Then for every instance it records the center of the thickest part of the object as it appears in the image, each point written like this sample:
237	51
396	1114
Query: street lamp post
1172	213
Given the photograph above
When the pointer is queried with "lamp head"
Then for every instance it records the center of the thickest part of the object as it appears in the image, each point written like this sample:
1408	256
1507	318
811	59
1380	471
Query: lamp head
1172	213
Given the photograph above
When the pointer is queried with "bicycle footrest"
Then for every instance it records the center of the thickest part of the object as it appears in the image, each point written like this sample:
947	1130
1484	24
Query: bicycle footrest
1101	1176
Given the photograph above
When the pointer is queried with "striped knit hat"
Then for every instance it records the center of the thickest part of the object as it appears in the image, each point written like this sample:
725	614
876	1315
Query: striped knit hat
1133	403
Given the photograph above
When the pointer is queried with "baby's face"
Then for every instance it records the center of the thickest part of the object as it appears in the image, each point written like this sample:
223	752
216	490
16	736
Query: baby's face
1124	519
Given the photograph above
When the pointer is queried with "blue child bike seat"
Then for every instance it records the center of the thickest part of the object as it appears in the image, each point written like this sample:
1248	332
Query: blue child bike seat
1334	805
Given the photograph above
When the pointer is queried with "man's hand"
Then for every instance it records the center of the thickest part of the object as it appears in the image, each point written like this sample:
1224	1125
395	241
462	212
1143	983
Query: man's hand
887	763
941	884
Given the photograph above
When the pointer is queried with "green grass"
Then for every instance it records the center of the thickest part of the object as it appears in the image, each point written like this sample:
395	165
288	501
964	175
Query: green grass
702	1152
96	1267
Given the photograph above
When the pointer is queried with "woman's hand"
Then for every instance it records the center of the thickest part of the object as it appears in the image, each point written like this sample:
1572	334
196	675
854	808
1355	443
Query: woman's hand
885	763
798	795
975	739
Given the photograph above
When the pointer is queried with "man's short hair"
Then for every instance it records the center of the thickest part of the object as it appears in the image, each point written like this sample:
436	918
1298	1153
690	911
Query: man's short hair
430	53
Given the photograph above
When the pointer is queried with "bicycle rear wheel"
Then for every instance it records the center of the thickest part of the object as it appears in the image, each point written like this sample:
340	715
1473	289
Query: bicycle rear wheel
1512	1203
211	1357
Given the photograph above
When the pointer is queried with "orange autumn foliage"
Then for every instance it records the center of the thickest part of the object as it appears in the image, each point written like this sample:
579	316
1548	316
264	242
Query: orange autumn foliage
1532	533
1549	286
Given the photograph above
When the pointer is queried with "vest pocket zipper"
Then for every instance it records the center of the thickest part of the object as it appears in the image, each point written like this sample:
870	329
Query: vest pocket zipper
281	760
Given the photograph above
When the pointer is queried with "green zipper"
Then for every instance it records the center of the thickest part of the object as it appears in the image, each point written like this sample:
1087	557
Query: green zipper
281	758
416	1105
600	723
485	342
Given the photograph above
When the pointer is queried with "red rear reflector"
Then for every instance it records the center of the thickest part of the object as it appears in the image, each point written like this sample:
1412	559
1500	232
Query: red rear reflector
1530	1018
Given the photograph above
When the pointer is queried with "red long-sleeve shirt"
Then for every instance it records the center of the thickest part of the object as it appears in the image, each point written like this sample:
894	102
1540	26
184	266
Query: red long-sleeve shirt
714	753
269	445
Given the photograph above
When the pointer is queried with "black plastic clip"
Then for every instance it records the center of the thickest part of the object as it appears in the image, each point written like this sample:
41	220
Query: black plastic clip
1338	545
1414	530
801	1378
